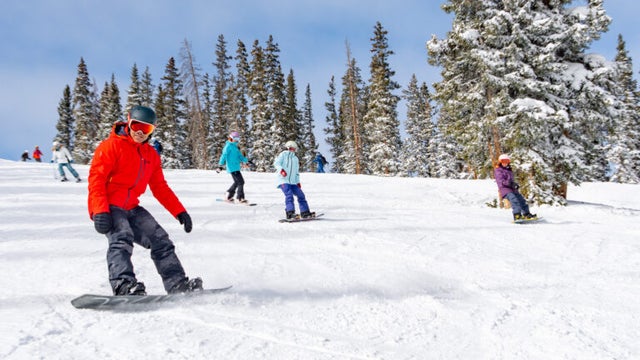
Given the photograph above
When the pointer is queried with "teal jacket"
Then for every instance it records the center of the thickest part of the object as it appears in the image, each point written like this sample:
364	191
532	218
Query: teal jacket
288	161
232	156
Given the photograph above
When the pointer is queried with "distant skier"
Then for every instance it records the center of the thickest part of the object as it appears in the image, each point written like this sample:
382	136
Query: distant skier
157	146
63	158
25	155
287	168
37	154
234	160
122	167
508	189
321	161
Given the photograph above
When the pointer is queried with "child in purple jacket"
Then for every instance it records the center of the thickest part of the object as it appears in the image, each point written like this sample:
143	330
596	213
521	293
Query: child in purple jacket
508	189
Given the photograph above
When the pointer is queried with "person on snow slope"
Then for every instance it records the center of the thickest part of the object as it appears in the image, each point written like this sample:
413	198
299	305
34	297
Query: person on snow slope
122	167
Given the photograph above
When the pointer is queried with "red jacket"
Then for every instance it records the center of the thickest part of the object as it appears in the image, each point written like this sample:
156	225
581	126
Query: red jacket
120	171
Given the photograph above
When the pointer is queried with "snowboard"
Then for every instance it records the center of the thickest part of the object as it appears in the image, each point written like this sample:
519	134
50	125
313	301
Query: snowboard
108	302
523	221
299	219
236	202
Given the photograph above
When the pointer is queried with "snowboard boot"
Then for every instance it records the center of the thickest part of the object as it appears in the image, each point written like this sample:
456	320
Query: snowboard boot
64	178
529	216
186	285
307	214
129	287
517	217
291	214
78	180
243	201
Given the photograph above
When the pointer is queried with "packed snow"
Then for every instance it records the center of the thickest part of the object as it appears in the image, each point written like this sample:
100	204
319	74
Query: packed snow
399	268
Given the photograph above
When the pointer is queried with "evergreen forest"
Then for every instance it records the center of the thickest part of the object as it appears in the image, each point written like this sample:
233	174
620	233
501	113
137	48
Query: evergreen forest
516	78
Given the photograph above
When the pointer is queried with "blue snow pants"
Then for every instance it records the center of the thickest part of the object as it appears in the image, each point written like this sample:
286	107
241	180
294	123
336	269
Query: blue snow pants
61	167
518	203
290	191
138	226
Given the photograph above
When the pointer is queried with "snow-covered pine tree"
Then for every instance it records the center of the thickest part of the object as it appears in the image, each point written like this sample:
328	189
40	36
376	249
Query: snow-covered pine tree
291	119
515	80
276	97
221	104
382	127
66	122
416	157
306	128
351	110
238	98
110	109
146	89
85	112
261	136
134	94
335	137
623	151
207	112
196	125
171	119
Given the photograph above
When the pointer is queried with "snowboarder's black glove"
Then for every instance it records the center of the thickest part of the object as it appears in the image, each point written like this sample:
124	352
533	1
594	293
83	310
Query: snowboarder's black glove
219	169
102	222
185	219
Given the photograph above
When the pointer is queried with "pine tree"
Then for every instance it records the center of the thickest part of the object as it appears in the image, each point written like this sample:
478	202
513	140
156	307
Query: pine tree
146	89
515	79
134	96
307	135
335	136
170	109
351	110
207	111
291	121
239	112
382	126
261	129
85	112
623	150
221	83
196	124
66	121
110	109
416	155
276	97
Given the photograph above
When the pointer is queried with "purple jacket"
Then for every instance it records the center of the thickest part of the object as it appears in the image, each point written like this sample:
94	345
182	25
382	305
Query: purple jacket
504	179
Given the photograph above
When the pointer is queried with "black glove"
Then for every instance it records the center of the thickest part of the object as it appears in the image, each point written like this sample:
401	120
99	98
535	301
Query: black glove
219	169
102	222
185	219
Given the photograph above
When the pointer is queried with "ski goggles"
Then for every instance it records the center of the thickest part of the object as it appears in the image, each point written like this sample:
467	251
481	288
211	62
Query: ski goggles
136	125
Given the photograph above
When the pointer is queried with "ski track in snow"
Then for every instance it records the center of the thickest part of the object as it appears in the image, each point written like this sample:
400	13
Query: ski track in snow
399	269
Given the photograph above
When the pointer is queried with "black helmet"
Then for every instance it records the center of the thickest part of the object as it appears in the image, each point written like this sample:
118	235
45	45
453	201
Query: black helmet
142	114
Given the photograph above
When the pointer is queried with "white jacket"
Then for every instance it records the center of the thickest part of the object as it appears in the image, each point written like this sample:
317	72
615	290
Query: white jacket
61	156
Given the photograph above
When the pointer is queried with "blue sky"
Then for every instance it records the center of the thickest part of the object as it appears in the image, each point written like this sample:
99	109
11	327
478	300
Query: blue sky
43	41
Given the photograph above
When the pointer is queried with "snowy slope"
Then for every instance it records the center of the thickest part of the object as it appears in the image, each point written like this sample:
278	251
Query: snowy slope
399	269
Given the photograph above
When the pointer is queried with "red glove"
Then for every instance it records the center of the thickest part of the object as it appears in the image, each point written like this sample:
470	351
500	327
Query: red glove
300	185
283	173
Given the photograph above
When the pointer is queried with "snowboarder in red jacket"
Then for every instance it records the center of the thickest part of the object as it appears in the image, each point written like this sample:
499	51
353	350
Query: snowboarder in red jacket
122	167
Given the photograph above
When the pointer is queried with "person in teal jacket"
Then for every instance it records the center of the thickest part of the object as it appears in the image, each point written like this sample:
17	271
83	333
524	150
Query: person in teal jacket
288	172
234	160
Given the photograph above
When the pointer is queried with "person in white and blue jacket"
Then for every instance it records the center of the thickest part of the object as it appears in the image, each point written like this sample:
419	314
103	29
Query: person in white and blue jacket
234	160
288	171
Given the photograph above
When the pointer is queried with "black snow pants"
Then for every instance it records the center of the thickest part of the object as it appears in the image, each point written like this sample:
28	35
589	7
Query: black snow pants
238	184
138	226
